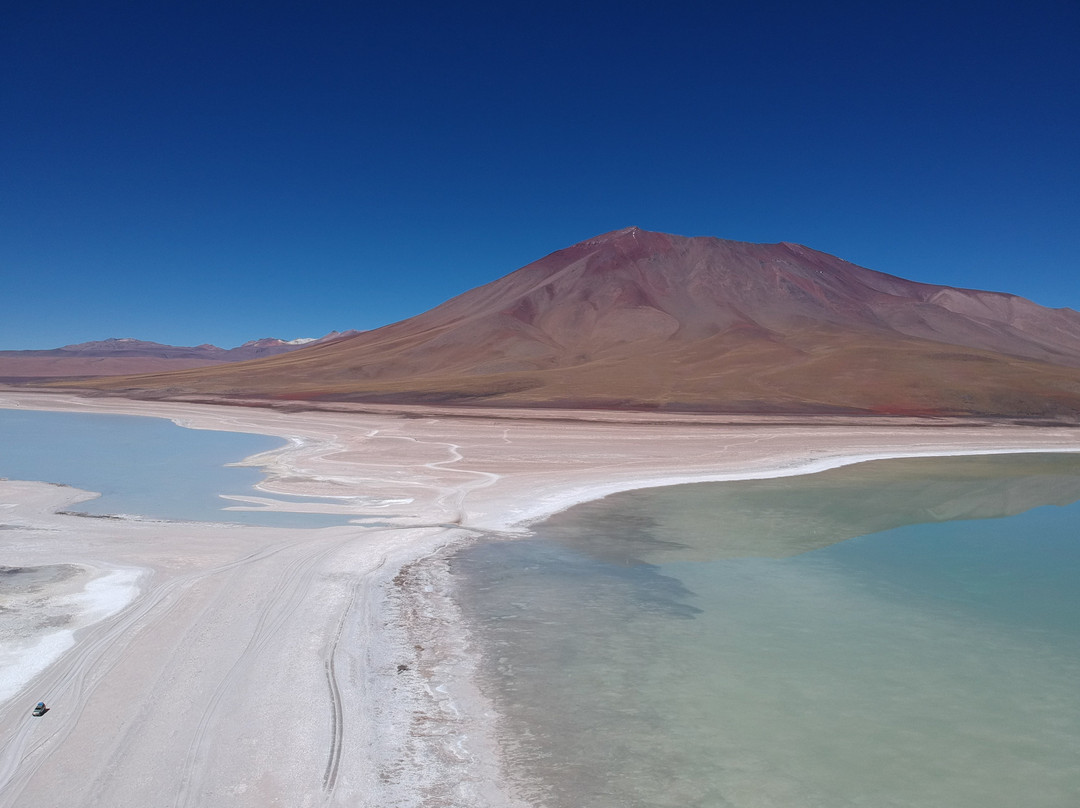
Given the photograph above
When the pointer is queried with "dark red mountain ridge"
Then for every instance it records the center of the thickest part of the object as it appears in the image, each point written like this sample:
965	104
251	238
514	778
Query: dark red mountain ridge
644	320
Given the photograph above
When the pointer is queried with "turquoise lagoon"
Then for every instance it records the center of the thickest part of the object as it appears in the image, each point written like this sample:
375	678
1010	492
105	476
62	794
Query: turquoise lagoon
894	633
145	467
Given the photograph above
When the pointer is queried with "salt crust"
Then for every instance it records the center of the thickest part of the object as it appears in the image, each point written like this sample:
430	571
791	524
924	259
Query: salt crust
237	665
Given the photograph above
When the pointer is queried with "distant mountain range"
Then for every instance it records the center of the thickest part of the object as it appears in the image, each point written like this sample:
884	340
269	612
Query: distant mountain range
111	357
640	320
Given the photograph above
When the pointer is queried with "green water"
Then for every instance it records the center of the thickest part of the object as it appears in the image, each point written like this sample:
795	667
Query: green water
897	633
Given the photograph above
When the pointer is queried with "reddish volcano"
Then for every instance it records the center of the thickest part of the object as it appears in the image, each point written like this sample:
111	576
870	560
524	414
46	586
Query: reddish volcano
647	320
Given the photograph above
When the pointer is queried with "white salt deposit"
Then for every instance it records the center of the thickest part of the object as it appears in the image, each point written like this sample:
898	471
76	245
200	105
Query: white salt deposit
23	658
105	595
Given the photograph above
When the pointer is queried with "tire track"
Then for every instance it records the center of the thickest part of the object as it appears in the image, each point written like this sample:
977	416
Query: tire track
68	682
337	731
292	586
73	678
337	735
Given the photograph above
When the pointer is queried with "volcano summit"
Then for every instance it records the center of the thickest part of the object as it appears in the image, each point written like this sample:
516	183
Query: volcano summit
641	320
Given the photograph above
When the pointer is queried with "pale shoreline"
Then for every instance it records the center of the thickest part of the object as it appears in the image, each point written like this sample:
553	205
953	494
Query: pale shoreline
277	640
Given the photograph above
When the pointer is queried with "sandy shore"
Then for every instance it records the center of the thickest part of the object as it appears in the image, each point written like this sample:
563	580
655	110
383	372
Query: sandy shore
229	665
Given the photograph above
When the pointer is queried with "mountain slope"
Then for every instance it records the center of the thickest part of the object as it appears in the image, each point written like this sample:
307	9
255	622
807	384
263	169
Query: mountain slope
648	320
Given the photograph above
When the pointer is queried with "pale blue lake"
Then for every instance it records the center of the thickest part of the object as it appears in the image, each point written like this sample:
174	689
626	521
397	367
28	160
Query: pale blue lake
894	634
146	467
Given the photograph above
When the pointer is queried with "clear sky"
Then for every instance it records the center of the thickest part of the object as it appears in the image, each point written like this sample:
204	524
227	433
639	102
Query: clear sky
191	172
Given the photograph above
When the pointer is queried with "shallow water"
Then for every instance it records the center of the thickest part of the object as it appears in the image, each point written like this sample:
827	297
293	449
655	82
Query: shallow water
147	467
897	633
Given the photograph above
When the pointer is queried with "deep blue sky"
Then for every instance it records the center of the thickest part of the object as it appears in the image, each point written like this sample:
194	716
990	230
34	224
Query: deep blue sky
187	172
